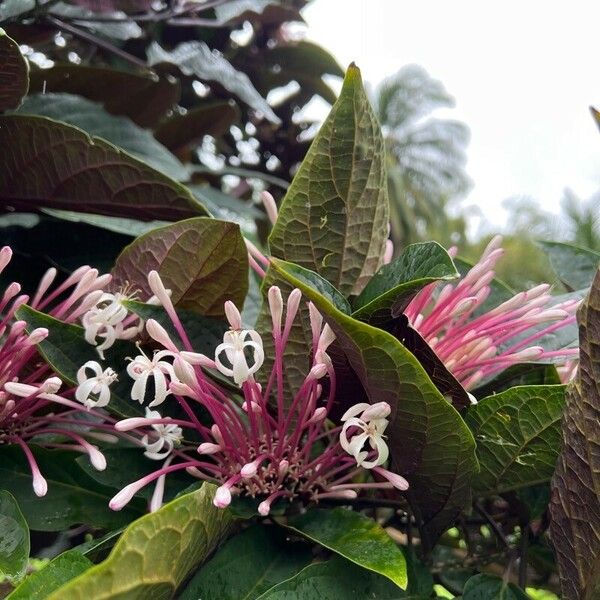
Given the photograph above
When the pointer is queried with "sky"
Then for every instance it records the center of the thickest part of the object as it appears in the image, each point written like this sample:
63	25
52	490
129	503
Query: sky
523	74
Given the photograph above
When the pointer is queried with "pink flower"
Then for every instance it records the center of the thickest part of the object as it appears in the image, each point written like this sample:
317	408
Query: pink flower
267	444
31	410
477	347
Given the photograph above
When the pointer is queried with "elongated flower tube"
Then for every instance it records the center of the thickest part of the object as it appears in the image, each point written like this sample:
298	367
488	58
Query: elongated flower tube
33	408
476	346
265	442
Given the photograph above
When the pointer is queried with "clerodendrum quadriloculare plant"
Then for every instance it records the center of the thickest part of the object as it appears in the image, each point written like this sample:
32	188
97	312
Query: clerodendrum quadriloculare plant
31	409
261	443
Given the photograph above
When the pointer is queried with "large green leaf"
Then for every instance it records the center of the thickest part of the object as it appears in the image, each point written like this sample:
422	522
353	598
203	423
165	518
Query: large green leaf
394	285
429	442
196	58
333	219
45	163
248	565
14	538
574	266
14	79
490	587
209	118
73	498
574	505
94	120
202	261
518	437
144	99
56	573
66	350
336	579
156	553
355	537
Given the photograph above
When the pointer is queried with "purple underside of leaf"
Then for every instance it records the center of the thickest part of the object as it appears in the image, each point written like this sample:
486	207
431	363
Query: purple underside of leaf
51	164
575	504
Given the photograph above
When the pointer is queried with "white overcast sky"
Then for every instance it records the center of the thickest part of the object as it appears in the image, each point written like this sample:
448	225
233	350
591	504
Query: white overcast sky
523	73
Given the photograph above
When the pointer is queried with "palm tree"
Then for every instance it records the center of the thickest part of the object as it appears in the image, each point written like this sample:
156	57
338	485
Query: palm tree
583	219
425	154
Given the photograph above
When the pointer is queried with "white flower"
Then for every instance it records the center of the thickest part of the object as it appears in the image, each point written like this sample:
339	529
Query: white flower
94	391
105	320
234	345
371	425
141	368
165	439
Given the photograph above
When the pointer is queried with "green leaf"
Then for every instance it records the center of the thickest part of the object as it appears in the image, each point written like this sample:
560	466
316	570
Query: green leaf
208	118
336	579
50	164
574	266
490	587
73	498
249	564
95	121
520	374
265	11
518	437
65	350
118	30
14	538
355	537
394	285
55	574
202	261
14	73
156	553
333	219
14	8
196	58
303	62
574	505
123	225
144	99
429	442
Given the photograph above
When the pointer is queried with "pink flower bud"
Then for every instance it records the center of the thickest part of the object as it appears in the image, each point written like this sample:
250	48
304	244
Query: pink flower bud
222	497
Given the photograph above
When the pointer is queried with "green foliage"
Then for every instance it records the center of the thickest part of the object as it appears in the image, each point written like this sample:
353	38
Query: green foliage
40	584
202	261
394	285
14	538
489	587
335	579
73	497
518	437
355	537
429	442
575	267
333	218
248	565
155	553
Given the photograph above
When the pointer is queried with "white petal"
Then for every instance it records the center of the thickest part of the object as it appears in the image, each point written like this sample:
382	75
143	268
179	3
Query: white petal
355	410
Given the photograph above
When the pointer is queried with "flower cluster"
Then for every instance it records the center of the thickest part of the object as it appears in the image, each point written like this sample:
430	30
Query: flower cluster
264	442
31	408
475	346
